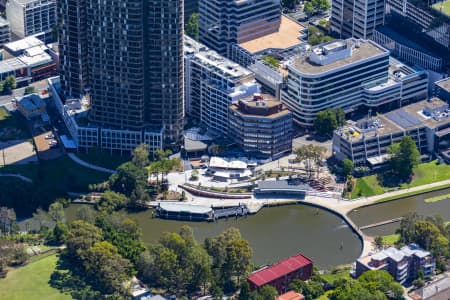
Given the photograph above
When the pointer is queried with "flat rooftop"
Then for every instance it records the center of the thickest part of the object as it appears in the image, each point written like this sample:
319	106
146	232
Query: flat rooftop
23	44
287	36
11	65
406	118
444	84
366	50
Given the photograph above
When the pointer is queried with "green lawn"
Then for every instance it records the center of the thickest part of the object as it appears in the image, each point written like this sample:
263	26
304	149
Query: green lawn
341	274
10	127
31	282
367	186
61	173
51	180
423	174
391	239
444	5
103	159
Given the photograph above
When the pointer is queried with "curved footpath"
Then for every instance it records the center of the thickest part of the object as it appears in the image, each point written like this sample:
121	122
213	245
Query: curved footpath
88	165
337	206
21	177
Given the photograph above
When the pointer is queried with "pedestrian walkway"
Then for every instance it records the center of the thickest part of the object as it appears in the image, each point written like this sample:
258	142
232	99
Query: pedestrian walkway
18	176
88	165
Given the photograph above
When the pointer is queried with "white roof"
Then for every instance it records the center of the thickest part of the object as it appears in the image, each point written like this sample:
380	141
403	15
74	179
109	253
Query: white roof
394	254
23	44
218	162
379	256
175	207
36	60
10	65
414	249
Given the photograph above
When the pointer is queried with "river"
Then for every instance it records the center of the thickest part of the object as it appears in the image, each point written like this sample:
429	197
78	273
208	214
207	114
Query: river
392	209
274	233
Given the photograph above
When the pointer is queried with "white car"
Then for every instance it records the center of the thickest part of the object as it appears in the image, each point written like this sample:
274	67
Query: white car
50	136
53	143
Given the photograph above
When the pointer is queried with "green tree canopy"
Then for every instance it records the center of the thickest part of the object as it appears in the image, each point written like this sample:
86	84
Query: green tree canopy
404	157
111	201
140	155
30	90
231	255
347	167
328	120
108	269
311	155
191	28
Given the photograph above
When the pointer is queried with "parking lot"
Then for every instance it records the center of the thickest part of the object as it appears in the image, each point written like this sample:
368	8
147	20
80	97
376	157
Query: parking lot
45	150
17	152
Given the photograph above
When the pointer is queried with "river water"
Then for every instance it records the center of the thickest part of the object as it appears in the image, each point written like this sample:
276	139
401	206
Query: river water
274	233
393	209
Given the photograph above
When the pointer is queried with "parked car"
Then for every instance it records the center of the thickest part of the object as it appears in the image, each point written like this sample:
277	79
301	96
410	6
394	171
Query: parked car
50	136
53	143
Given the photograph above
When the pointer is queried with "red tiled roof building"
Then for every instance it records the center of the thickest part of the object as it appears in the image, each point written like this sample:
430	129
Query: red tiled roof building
281	274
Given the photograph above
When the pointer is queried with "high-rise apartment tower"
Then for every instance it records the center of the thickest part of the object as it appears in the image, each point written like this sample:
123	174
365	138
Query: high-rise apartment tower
224	22
356	18
128	55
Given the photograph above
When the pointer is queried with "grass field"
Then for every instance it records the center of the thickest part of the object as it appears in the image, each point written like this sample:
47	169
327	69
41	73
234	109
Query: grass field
61	173
10	127
31	282
51	180
423	174
103	159
341	274
443	6
391	239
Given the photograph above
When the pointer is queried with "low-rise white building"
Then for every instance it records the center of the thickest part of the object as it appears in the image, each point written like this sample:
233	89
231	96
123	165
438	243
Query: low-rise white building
348	74
366	141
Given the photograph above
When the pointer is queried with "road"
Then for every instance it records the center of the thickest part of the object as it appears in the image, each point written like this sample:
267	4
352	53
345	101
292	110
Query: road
39	85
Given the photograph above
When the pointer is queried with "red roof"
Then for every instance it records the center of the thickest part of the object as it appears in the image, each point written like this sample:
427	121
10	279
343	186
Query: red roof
291	295
284	267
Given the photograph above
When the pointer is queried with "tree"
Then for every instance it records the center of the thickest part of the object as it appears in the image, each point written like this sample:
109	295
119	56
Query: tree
231	256
7	220
308	8
81	236
123	233
347	167
320	4
127	178
244	293
311	155
404	157
379	243
9	83
111	201
267	292
30	90
191	28
177	263
289	3
407	230
140	156
375	281
86	214
56	212
41	216
60	232
328	120
108	269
